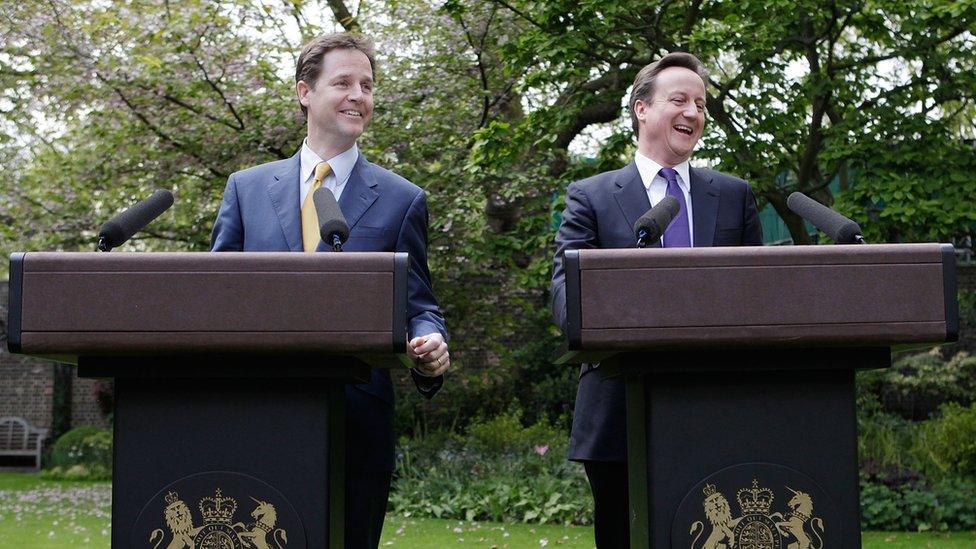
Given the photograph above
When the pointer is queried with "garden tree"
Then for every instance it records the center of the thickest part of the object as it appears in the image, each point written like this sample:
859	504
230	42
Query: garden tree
440	82
113	100
480	104
800	93
104	102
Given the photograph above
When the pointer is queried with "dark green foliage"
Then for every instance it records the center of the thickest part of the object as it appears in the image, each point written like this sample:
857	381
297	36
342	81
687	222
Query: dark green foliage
517	373
948	506
950	441
967	322
499	471
916	385
493	108
84	453
886	442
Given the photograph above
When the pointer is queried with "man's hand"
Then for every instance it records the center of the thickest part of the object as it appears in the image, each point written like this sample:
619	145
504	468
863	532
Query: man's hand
430	354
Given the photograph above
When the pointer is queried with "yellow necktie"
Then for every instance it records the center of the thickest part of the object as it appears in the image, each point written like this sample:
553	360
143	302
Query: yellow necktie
310	219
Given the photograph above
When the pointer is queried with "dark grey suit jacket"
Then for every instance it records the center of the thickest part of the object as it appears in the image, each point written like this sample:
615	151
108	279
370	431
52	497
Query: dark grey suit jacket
600	213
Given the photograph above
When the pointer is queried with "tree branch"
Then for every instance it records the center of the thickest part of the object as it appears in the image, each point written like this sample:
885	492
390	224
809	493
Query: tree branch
213	85
344	16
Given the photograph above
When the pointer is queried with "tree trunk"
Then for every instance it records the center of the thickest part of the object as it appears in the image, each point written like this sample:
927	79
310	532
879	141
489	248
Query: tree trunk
795	223
61	406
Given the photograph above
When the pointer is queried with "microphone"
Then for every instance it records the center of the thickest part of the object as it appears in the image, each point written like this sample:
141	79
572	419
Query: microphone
120	228
839	228
332	224
650	226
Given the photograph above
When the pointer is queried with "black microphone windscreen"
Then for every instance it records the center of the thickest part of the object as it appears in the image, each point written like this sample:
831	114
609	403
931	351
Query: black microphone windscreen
120	228
839	228
656	220
331	220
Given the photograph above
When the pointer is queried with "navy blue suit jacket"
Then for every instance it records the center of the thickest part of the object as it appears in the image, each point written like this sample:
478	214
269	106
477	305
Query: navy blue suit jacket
386	213
600	213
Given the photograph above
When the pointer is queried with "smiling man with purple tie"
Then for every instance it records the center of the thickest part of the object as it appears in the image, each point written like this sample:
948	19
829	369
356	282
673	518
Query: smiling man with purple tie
667	107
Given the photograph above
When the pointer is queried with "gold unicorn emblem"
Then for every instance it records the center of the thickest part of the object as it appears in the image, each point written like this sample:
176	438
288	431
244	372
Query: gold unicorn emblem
255	535
801	509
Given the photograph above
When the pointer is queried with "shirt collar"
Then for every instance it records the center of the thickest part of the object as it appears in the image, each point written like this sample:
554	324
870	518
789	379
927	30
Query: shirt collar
648	171
342	163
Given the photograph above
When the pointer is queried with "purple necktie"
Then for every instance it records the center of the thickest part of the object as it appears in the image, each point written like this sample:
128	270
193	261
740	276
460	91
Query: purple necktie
677	235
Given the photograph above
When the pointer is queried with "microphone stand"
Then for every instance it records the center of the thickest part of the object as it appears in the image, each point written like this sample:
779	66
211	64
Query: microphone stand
641	236
102	245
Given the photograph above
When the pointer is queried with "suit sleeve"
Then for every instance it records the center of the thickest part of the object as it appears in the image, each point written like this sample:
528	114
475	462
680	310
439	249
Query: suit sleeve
423	312
751	226
228	230
576	232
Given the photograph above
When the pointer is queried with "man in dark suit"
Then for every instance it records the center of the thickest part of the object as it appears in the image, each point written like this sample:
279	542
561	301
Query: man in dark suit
667	107
269	208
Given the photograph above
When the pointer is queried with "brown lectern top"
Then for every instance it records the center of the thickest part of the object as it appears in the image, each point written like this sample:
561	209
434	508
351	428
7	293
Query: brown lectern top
865	295
75	304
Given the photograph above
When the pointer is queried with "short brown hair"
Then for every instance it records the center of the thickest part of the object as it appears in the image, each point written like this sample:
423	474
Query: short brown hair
643	88
310	61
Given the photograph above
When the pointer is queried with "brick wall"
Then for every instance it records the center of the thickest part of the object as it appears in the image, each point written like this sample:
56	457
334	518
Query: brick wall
27	385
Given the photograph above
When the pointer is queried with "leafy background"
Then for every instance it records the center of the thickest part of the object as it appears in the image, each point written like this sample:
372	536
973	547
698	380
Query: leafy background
493	107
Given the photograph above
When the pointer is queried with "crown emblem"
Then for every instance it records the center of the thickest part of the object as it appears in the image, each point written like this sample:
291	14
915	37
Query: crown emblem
755	500
218	509
171	498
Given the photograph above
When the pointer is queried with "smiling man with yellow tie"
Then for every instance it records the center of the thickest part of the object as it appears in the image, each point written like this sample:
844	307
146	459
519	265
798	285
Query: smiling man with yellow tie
269	208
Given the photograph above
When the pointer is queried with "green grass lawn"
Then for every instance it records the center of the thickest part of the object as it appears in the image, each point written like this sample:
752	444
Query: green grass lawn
59	515
427	533
47	515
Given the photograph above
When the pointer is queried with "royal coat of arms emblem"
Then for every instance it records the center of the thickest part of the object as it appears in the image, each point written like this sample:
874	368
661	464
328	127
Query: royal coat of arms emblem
218	531
757	527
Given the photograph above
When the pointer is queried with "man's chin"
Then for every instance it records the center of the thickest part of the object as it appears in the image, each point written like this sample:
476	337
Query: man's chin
682	153
352	131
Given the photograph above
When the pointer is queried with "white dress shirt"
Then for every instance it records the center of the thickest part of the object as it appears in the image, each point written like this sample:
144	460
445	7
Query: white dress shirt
657	186
342	165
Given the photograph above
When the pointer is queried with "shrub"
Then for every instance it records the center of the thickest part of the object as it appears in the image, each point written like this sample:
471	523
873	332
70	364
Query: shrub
915	386
947	506
885	441
500	471
505	435
84	453
950	440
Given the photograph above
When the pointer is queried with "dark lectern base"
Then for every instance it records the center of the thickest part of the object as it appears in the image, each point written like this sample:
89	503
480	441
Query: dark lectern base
216	453
765	457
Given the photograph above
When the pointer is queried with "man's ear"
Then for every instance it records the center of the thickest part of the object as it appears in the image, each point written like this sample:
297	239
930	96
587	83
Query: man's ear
639	110
302	89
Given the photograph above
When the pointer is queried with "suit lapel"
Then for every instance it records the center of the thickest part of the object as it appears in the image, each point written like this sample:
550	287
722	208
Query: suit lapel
631	195
283	191
704	207
359	194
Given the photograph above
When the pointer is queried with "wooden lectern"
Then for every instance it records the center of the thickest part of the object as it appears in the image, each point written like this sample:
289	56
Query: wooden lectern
229	373
739	367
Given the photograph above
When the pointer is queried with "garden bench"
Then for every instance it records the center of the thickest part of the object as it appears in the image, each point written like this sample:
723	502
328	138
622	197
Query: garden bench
19	438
